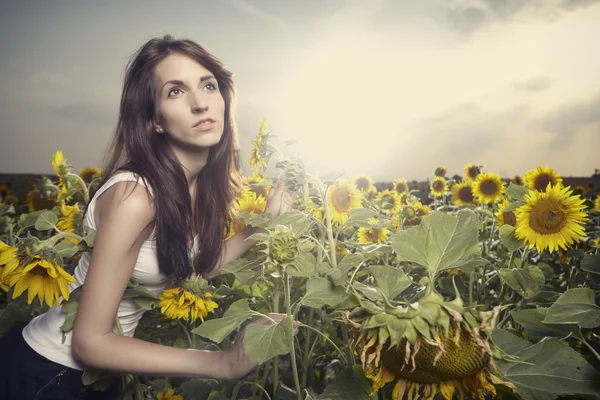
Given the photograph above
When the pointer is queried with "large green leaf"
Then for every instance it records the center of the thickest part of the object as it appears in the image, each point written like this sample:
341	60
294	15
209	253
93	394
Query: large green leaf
516	192
532	319
526	281
390	280
243	270
263	342
320	292
591	263
46	220
507	235
547	369
304	266
360	217
296	220
66	249
575	306
218	329
349	385
442	241
196	389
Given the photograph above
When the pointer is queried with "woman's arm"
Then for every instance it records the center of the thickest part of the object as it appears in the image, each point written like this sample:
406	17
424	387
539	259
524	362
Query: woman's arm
124	223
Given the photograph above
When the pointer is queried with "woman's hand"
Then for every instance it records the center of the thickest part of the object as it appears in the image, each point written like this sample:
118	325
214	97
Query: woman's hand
240	363
278	201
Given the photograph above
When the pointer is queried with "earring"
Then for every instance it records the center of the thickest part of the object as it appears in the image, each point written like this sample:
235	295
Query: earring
160	130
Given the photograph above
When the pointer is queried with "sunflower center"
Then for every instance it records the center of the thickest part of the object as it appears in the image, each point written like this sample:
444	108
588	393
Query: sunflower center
401	187
509	218
372	235
341	200
547	217
362	183
465	194
473	172
38	270
488	187
438	186
542	181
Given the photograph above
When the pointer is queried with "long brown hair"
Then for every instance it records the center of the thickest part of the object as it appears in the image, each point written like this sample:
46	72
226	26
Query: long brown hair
138	148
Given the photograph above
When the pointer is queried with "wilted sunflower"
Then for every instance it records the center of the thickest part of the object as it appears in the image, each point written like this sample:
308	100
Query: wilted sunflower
440	172
551	219
439	186
179	303
248	201
389	200
488	187
505	217
343	197
168	394
372	235
401	186
471	172
365	184
436	346
462	193
538	179
40	277
87	174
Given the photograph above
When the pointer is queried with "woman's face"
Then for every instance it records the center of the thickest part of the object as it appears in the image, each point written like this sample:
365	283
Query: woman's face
189	104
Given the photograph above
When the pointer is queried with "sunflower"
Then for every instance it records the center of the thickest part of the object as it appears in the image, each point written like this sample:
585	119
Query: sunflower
254	182
42	278
259	147
168	394
439	186
372	235
365	184
471	172
9	262
462	193
401	186
538	179
488	187
440	172
249	202
59	164
87	174
343	197
6	196
551	219
420	211
37	201
434	349
518	180
389	200
70	220
179	303
505	217
341	250
597	203
317	210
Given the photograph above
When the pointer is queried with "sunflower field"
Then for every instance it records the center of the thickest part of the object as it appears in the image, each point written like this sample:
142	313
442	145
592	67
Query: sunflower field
483	288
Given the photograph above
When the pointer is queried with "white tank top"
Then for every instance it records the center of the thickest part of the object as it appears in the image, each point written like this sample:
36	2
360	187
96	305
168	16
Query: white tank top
43	333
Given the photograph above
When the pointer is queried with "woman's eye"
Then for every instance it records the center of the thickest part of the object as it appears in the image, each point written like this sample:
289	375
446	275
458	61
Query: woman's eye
171	92
211	86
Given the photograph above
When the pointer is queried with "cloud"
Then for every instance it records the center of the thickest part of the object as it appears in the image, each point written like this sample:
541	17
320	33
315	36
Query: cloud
538	84
255	12
564	122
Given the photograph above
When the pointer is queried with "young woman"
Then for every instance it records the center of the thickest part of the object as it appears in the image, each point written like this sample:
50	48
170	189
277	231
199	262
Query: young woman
168	186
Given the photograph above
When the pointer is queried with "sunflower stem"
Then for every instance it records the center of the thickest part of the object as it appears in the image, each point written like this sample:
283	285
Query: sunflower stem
589	346
276	359
327	339
86	193
307	348
288	308
50	242
471	283
332	243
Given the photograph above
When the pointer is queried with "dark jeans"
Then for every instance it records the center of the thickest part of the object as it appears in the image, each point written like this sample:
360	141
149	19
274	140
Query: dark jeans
27	375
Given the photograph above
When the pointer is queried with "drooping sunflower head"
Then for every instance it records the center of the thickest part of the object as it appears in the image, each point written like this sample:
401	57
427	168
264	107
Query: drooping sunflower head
41	277
551	219
440	171
471	171
462	193
343	197
181	303
37	201
365	184
71	218
439	187
488	187
400	186
389	201
538	179
88	174
505	217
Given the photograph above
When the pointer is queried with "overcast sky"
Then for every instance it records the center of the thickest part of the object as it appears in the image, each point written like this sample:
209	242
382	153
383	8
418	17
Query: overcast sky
388	88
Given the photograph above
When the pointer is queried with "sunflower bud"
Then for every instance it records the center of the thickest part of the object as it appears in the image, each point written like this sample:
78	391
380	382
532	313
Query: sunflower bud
283	246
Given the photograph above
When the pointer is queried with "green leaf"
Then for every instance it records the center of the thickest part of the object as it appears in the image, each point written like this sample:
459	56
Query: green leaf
90	237
547	369
591	263
218	329
532	319
66	249
575	306
349	262
390	280
320	292
70	308
512	206
99	380
349	385
304	266
296	220
440	242
28	220
263	342
526	281
243	270
360	217
256	220
195	389
507	235
516	192
46	220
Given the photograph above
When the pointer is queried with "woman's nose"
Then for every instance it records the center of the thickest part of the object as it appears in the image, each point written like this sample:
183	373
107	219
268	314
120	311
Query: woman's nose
197	103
